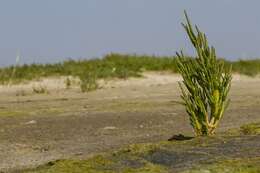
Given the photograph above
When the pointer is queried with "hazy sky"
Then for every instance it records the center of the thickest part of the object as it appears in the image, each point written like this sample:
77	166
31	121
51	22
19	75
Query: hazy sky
52	30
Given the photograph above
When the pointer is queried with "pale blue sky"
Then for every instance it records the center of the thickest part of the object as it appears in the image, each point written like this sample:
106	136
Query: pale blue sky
53	30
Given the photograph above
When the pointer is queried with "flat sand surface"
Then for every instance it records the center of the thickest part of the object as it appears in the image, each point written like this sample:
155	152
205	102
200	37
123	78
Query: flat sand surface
65	123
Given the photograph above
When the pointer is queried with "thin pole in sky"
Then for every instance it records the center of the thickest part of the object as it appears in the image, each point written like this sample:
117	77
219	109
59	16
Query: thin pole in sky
17	60
18	56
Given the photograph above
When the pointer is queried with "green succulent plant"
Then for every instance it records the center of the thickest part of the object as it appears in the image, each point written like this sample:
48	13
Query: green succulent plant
206	83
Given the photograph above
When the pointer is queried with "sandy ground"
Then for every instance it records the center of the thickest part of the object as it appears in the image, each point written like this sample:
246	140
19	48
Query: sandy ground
65	123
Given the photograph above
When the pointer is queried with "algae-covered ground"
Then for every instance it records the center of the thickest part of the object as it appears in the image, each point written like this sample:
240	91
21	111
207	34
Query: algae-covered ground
225	166
231	152
123	127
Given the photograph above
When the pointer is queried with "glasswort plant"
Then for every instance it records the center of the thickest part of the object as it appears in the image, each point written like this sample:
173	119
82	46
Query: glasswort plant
206	83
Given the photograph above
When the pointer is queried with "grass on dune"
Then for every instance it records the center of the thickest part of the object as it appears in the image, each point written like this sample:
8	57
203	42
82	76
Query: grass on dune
247	67
110	66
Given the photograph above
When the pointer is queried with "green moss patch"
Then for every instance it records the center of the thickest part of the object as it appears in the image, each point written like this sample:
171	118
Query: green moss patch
100	164
9	113
251	129
204	154
230	166
142	158
247	129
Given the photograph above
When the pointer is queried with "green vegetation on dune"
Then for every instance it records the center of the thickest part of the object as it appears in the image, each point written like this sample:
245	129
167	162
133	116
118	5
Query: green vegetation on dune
247	67
111	66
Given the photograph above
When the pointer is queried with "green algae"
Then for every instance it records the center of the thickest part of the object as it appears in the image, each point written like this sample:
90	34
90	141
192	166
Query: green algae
15	112
9	113
251	165
161	156
98	164
133	106
247	129
251	129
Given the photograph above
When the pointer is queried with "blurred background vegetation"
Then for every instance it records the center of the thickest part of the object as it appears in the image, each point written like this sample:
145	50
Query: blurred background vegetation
110	66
